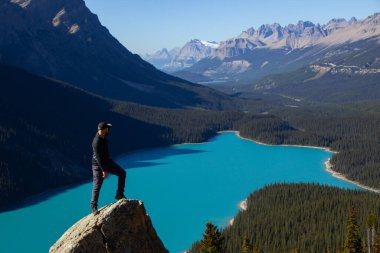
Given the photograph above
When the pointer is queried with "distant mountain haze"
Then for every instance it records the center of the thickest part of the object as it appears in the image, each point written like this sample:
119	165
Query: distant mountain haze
62	39
162	57
180	58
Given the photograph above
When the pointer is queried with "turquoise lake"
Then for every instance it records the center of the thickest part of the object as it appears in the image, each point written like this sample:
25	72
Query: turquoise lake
182	187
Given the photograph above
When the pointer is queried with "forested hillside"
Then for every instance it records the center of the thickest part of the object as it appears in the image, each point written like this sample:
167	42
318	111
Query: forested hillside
313	218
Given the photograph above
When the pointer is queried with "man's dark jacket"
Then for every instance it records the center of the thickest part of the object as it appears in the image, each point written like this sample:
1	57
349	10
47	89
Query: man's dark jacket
100	155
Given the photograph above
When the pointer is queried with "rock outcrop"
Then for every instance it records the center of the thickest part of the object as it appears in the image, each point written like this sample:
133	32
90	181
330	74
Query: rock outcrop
123	226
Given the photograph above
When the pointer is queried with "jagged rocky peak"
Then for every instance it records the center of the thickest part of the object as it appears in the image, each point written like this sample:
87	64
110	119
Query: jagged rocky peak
192	52
302	34
202	43
373	19
123	226
337	20
335	24
268	30
179	58
304	24
248	33
300	27
262	32
163	53
194	41
352	21
239	43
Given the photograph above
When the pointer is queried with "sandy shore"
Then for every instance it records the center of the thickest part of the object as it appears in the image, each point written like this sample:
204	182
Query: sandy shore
328	165
285	145
343	177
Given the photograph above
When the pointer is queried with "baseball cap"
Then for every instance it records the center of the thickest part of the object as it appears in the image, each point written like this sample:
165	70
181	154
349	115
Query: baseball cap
104	125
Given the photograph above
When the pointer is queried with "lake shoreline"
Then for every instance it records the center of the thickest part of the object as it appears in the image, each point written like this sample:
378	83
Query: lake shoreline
226	161
341	176
273	145
328	165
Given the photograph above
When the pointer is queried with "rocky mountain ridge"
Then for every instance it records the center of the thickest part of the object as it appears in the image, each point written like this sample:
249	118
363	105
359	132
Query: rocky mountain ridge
64	40
301	35
271	49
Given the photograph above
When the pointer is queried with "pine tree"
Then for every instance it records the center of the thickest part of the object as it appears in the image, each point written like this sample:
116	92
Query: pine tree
376	246
339	247
256	249
213	241
371	221
247	246
352	242
295	250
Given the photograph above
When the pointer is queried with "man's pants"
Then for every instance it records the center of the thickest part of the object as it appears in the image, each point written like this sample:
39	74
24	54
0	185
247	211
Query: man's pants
112	168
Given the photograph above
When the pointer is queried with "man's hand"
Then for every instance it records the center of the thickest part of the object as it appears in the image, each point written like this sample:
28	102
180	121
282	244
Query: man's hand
105	174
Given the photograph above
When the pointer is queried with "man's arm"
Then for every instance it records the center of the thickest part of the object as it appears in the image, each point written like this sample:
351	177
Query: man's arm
99	156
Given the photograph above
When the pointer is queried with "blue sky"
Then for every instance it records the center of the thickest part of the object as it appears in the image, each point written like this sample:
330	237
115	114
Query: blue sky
144	26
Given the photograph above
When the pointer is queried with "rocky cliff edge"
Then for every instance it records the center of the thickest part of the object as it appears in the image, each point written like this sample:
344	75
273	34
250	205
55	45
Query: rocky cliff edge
123	226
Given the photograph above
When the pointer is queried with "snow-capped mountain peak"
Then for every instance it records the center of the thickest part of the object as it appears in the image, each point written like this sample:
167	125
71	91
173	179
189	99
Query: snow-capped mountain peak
211	44
301	35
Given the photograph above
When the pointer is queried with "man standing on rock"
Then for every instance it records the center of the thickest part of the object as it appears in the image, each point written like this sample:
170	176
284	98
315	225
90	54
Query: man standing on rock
102	165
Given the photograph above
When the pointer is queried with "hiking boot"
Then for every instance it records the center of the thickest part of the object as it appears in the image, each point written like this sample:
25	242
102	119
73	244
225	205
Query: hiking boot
120	196
95	210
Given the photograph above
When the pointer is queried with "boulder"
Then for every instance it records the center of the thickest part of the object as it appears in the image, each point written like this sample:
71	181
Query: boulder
123	226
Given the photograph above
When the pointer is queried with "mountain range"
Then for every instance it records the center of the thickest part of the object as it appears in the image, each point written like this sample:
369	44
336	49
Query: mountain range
272	48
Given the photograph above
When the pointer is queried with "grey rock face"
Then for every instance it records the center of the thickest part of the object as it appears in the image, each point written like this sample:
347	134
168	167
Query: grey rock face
121	227
336	24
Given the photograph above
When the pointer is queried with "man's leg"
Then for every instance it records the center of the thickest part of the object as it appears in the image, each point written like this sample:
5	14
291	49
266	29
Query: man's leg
97	184
115	169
